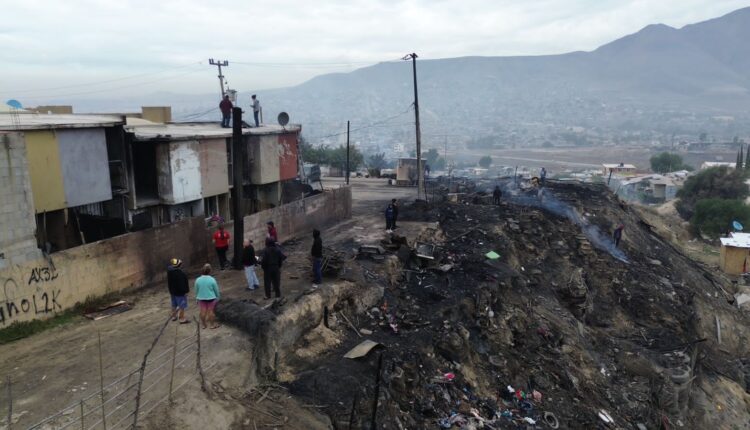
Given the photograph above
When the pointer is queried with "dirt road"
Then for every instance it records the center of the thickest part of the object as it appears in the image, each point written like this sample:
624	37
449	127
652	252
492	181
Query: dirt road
58	367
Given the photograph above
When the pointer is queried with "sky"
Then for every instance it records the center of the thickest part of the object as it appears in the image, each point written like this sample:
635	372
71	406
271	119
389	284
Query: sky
112	48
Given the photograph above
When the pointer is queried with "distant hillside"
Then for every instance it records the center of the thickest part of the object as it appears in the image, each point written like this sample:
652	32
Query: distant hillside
700	68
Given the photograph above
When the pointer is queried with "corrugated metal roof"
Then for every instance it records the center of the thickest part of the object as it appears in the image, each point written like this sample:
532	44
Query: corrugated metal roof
737	240
191	131
39	121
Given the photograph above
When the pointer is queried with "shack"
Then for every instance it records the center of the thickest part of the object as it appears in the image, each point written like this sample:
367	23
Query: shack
735	251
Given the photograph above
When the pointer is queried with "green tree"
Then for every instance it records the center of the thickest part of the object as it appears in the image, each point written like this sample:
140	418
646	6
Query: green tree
714	216
668	162
430	157
740	158
703	137
485	161
714	183
376	161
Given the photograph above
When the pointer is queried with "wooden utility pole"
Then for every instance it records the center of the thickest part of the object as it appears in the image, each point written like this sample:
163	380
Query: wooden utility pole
347	153
238	158
219	64
420	169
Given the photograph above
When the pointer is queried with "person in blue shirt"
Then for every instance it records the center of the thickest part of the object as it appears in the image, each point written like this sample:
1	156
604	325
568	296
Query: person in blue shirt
207	294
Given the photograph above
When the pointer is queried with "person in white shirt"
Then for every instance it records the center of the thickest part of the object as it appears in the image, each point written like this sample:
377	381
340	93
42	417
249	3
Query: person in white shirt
256	110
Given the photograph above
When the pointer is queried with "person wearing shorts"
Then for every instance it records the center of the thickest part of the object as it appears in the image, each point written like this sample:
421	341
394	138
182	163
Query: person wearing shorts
207	294
177	282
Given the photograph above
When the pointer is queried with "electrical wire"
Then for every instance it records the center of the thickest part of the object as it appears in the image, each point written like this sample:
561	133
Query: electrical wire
138	84
313	64
88	84
375	124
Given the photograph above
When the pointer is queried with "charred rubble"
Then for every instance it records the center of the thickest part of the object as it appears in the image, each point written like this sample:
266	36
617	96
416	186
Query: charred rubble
525	315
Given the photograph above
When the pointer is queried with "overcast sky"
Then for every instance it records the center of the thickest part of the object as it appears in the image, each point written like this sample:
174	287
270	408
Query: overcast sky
68	48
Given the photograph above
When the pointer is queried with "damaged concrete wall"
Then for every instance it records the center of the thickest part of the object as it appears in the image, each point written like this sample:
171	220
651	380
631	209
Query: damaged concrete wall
41	288
301	217
17	225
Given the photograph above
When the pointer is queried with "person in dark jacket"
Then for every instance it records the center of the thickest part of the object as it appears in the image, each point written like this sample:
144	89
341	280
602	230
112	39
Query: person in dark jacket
317	258
177	282
617	235
271	260
395	213
226	111
389	213
496	194
249	262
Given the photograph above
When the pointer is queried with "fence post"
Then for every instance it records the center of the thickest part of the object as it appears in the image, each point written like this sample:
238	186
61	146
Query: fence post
142	370
101	380
83	426
10	404
198	364
174	358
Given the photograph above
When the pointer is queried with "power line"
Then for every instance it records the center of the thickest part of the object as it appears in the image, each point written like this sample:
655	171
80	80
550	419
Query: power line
104	90
312	64
124	78
374	124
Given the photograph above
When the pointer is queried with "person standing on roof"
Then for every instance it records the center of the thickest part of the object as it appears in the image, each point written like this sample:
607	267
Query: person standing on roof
221	243
617	235
177	282
317	258
256	110
249	262
226	111
542	175
271	261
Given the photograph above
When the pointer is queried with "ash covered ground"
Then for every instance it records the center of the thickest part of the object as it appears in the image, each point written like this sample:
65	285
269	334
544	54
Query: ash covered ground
563	330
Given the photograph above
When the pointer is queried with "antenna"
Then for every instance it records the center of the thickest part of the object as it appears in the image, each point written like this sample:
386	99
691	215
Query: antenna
283	119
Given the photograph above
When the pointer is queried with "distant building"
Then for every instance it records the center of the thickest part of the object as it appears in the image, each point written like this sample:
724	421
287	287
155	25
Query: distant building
618	169
709	164
735	251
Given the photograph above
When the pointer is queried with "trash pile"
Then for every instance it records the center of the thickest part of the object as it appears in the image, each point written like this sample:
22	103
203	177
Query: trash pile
510	317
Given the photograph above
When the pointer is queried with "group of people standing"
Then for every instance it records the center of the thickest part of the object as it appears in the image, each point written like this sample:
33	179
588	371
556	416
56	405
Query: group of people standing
207	293
226	107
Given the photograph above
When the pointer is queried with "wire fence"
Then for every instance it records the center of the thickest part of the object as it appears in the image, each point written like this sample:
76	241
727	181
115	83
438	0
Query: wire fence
171	362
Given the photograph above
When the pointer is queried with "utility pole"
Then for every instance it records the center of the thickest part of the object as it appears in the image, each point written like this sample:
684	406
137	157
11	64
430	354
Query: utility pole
219	64
420	170
238	157
347	153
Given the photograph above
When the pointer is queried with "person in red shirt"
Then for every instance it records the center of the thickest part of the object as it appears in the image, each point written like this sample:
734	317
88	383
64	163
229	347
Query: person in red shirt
226	111
221	243
272	234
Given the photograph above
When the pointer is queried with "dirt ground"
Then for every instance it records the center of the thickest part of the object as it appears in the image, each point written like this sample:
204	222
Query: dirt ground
53	369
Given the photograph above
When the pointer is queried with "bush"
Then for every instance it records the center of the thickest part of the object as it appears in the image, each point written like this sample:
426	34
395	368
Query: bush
668	162
714	216
485	161
713	183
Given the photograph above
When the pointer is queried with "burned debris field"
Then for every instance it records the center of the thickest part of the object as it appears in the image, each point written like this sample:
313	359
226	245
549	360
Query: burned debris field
527	316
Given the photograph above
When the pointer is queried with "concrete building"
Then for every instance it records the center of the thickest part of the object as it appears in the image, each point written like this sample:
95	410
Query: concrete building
709	164
618	169
76	179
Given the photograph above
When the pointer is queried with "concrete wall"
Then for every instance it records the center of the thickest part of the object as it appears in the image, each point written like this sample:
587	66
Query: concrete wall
43	287
178	171
17	225
160	114
263	152
213	165
85	166
40	288
301	217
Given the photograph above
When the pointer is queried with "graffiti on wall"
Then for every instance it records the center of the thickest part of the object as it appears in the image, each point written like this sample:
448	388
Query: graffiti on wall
29	295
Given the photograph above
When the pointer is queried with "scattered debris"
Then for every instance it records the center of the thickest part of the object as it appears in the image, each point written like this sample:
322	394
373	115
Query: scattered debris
362	349
109	310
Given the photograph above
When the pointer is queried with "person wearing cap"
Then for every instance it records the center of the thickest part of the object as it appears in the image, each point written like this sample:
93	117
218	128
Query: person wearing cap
249	261
272	233
177	282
